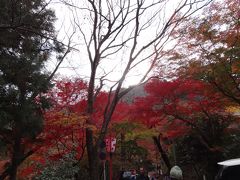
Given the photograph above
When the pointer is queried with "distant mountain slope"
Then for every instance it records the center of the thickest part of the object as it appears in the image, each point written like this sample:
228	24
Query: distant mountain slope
136	92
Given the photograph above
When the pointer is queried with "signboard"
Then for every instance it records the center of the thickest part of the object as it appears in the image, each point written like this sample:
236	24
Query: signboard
110	144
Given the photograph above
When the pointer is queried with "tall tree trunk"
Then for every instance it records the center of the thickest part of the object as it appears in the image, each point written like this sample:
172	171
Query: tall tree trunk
7	171
123	150
93	161
16	157
162	152
92	156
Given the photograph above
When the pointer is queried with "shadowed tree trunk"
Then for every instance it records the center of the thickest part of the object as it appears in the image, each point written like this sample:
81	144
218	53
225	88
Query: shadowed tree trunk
162	152
16	158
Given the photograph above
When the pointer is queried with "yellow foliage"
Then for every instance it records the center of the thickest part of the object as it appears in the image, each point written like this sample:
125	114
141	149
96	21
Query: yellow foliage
233	109
70	119
236	67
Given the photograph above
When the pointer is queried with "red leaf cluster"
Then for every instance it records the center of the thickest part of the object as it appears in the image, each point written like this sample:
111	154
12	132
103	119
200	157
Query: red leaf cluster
174	107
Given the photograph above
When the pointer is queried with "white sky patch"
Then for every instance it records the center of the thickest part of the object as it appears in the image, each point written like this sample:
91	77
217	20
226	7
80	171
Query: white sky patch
77	63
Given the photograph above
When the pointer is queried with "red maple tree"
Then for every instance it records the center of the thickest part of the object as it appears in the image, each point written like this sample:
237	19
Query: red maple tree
65	123
180	107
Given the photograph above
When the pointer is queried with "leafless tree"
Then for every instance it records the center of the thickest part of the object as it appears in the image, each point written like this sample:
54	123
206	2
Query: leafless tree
126	32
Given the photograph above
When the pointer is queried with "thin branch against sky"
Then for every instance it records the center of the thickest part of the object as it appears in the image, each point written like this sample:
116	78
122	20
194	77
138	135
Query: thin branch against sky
74	14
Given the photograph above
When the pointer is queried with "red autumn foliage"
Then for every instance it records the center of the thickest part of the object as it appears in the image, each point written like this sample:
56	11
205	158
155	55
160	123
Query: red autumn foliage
173	107
65	122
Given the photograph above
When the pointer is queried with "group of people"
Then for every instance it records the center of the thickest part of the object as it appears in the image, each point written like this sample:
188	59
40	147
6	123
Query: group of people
175	174
133	175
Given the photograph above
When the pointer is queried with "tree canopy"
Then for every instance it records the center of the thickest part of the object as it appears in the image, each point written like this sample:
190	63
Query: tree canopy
190	118
27	40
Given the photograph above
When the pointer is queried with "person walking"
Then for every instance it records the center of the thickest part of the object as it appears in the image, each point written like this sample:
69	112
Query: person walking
133	174
142	175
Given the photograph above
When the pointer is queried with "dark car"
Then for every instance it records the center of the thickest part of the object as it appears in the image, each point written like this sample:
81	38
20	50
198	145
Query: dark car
229	170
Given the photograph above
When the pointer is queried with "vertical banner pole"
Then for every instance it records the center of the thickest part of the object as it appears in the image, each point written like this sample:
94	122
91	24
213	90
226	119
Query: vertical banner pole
110	168
110	147
110	154
104	170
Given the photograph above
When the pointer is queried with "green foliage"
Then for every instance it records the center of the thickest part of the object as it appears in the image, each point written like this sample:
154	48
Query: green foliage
222	145
63	169
231	144
125	126
134	151
131	138
210	48
26	42
143	134
134	131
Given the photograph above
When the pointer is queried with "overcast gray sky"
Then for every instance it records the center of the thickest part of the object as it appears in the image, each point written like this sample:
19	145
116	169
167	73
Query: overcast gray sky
77	64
